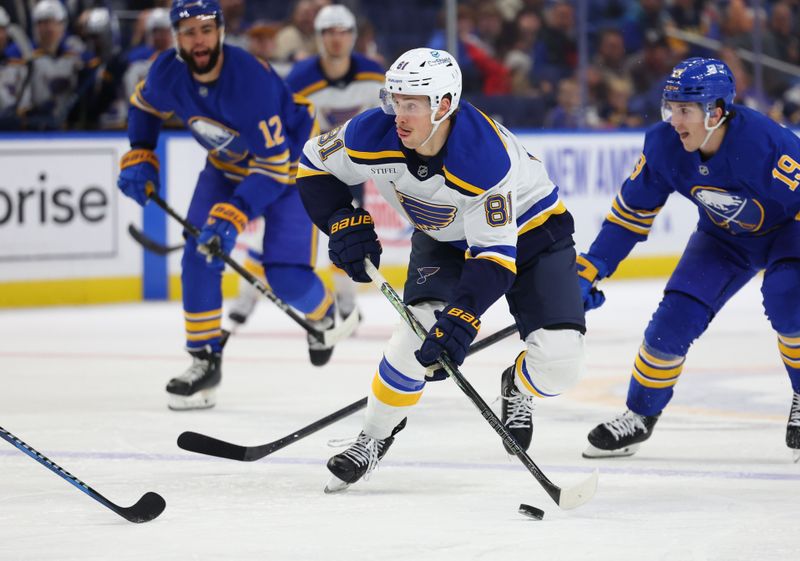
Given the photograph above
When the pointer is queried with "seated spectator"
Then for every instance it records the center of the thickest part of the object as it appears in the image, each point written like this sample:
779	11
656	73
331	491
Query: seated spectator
12	75
556	51
615	113
297	40
261	43
101	103
649	70
56	70
519	55
568	113
480	71
236	25
610	57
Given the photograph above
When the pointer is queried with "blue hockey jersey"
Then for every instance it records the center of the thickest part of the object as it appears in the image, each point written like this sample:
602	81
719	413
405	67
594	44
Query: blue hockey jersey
749	187
252	126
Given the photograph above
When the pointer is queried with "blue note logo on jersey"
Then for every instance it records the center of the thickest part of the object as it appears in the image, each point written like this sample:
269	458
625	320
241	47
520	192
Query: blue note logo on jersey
732	212
425	215
220	141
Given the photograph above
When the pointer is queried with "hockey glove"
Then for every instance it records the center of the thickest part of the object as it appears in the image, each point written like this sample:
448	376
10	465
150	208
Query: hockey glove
589	274
453	332
352	239
138	170
218	236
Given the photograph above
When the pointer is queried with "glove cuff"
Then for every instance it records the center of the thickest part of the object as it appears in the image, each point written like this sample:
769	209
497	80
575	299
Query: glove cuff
468	319
227	211
590	270
346	219
139	156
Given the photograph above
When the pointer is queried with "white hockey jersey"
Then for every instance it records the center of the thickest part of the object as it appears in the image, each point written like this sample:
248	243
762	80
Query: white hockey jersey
340	100
480	192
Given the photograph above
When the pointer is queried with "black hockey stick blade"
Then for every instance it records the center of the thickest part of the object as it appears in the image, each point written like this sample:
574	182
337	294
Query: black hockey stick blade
146	508
150	244
203	444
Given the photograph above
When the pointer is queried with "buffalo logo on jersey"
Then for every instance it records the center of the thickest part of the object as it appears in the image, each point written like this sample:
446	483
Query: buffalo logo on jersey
219	140
425	272
425	215
732	212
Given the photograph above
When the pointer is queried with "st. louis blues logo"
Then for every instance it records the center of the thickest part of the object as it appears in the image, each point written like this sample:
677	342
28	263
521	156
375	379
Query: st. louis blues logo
219	140
425	272
727	210
425	215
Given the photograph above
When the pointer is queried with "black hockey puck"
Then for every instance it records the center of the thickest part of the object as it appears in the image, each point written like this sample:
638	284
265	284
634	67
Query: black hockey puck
531	511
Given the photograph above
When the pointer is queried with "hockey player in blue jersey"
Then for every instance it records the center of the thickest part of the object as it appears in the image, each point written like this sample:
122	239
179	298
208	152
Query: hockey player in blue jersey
488	223
253	128
742	171
341	84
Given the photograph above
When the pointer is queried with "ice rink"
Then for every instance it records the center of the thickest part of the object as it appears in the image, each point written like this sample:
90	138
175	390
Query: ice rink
85	386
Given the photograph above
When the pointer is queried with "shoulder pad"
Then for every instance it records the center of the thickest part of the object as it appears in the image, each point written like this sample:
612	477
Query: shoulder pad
305	76
370	137
367	69
477	158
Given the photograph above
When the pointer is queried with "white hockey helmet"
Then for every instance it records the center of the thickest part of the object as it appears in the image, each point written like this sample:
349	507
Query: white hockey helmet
334	16
158	18
49	9
427	72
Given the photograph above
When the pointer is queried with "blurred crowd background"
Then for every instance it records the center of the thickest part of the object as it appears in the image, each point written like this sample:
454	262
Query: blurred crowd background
596	64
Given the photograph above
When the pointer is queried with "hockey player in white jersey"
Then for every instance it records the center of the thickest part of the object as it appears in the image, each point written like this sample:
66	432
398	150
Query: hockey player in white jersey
488	223
341	84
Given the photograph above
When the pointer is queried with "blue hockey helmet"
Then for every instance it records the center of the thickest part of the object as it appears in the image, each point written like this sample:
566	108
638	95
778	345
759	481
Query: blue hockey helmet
185	9
701	80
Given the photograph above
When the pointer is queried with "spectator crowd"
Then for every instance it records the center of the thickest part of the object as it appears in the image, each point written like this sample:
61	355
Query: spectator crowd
73	64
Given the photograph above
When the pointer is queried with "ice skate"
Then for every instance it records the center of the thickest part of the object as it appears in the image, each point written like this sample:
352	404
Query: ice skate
196	388
621	436
517	411
244	304
359	460
793	428
317	351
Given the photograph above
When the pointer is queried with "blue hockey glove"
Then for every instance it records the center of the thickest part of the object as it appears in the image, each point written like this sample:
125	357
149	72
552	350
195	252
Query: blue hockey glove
138	169
453	332
352	238
589	274
218	236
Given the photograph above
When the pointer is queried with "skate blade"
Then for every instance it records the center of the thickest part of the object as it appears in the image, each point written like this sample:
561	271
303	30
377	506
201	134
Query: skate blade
592	452
204	399
796	454
335	485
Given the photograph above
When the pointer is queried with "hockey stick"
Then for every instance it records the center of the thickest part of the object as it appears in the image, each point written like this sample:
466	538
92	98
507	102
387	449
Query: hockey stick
564	498
328	337
203	444
148	507
150	244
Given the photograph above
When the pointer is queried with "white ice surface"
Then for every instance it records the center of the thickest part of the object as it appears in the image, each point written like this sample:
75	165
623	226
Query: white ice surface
84	386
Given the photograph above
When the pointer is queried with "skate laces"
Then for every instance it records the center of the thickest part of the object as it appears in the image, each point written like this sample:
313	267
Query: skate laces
626	424
197	370
794	414
519	410
363	450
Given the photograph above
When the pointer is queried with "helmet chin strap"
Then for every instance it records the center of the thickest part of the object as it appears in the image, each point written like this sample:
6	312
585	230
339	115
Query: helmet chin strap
436	124
710	130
